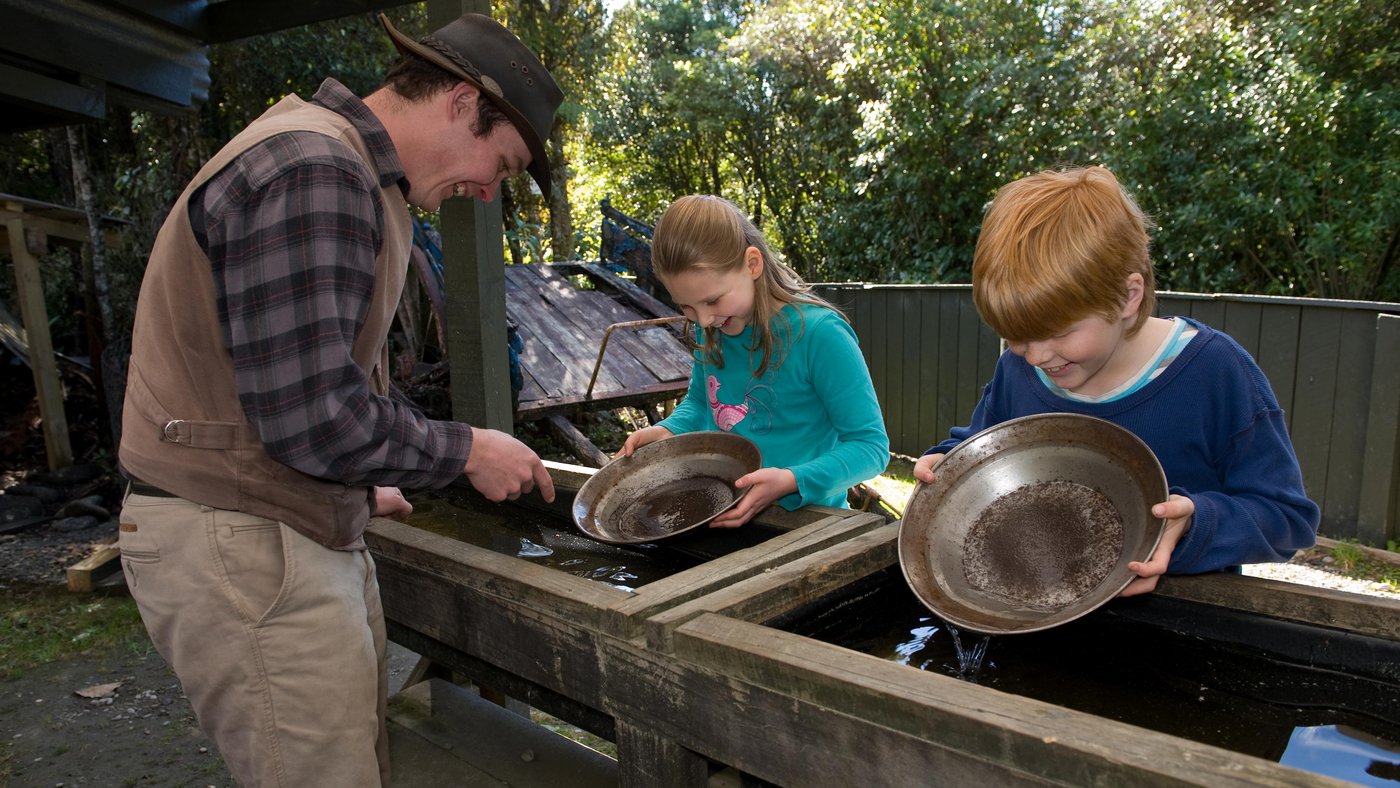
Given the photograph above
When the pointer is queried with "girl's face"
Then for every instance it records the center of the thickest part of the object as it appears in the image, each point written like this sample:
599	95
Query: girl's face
718	300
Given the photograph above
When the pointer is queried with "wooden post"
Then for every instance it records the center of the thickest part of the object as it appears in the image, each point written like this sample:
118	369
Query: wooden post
1377	516
473	257
645	759
30	290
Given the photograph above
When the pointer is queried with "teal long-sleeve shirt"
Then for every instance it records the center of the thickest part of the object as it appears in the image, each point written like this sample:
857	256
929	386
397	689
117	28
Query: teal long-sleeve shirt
813	412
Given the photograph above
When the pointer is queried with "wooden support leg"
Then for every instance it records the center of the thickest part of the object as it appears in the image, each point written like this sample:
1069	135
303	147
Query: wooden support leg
424	670
576	441
645	760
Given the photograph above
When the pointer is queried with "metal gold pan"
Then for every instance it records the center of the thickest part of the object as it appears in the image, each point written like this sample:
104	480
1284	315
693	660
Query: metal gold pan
665	488
1031	523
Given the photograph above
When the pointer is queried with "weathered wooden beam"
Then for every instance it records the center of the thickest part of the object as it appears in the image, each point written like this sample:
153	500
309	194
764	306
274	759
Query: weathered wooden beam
84	575
539	409
577	443
30	290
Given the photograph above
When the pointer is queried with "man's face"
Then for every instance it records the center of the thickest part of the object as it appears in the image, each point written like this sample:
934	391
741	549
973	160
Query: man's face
465	165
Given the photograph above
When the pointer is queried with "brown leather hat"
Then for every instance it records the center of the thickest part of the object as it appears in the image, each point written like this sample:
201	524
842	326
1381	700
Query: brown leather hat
490	57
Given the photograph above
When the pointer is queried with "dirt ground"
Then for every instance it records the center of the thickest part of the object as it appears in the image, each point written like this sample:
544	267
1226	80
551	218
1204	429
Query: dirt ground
140	732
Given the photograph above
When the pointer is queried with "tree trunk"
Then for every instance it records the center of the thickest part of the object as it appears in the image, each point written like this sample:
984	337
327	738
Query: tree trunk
95	263
561	219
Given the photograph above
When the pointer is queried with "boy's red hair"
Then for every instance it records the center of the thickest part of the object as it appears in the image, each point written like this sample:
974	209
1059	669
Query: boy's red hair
1057	247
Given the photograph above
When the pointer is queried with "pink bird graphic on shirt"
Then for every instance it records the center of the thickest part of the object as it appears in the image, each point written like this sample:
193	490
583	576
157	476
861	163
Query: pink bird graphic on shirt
726	416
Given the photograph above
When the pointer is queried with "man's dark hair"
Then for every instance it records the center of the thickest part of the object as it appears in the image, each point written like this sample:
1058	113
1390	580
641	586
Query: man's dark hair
414	78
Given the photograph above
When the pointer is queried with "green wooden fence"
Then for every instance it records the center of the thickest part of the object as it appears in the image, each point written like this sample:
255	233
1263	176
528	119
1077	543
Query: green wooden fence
1334	365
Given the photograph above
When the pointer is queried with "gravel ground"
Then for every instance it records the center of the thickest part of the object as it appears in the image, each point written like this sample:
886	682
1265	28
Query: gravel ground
1316	568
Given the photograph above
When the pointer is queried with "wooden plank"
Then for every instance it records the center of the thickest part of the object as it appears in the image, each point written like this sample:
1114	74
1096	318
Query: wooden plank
910	311
1355	355
879	355
645	302
562	338
827	713
85	575
1242	321
1323	607
1278	353
662	595
539	361
969	354
1209	311
948	340
29	289
587	311
1314	395
929	426
1379	502
783	587
530	411
590	313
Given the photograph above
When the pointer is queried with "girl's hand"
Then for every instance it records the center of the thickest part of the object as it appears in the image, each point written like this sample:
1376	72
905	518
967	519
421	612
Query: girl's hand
641	438
389	502
923	467
766	485
1177	510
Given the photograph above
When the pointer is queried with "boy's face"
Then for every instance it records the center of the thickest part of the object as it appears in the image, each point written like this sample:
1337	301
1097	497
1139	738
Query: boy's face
1081	358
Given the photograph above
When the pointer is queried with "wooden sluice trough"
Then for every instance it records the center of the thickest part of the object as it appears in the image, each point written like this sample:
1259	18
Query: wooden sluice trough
547	637
704	669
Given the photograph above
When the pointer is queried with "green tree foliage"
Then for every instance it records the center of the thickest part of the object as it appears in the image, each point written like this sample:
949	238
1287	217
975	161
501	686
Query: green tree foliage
867	137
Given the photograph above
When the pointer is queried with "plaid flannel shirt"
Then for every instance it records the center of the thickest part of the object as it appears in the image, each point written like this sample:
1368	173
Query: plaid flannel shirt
292	228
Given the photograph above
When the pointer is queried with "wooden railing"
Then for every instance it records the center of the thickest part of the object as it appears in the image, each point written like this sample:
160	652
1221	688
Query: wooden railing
1334	365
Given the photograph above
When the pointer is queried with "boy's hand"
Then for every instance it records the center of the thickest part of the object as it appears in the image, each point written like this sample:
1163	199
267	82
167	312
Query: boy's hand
766	486
1177	510
389	502
641	438
923	467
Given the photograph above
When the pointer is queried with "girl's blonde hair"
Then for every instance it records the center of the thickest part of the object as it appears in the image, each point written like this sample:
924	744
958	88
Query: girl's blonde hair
709	233
1057	247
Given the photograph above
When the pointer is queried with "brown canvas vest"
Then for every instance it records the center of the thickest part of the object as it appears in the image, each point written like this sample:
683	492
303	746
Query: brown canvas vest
183	428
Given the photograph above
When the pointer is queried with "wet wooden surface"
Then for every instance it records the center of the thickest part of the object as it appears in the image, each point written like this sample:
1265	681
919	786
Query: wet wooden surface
562	313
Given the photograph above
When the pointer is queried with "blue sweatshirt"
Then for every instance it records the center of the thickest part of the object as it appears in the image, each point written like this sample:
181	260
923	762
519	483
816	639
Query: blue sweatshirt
1217	429
813	412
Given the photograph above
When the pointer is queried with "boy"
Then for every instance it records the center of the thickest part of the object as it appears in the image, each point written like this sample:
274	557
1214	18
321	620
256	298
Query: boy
1061	271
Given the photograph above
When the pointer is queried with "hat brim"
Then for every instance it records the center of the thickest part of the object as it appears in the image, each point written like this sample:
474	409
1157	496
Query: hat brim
539	159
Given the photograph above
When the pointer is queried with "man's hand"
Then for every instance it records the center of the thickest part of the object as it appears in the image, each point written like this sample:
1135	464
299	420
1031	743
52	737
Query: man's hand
389	502
501	467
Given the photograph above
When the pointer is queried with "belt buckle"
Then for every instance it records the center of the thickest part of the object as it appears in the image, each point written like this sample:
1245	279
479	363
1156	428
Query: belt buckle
171	432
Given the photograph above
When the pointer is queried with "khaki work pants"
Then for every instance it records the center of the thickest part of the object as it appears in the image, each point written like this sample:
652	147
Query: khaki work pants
277	641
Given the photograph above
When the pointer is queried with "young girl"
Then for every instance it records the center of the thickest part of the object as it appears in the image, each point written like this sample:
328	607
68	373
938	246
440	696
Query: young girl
773	362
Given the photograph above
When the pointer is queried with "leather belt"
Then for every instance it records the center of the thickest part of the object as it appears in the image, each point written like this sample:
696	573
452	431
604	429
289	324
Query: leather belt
149	490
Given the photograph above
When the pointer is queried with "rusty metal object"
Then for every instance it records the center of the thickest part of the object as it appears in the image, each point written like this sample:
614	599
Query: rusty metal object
597	365
1032	523
665	488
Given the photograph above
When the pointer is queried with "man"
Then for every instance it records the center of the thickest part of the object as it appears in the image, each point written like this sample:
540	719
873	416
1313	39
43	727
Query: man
257	429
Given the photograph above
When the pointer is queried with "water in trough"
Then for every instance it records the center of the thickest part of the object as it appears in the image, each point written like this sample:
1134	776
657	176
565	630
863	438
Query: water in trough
541	539
1115	666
